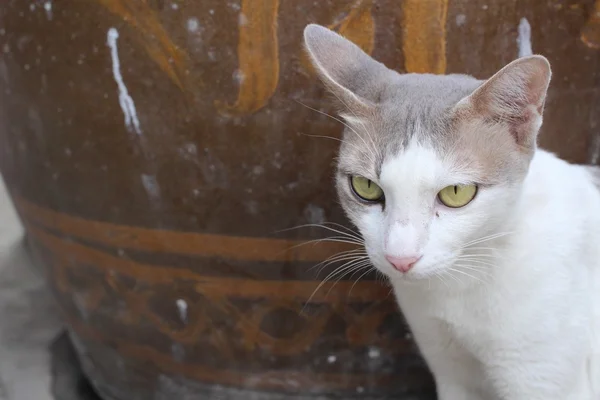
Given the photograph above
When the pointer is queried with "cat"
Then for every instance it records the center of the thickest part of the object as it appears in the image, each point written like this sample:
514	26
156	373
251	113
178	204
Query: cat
491	245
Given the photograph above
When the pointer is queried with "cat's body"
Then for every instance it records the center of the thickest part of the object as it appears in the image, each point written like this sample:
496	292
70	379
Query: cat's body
490	244
527	332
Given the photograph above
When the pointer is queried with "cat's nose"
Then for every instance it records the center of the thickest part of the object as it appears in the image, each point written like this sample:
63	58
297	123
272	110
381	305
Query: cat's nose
403	264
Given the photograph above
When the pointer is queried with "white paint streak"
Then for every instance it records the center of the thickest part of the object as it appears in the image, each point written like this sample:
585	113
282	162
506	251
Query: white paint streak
314	214
183	308
524	38
178	352
48	8
151	185
127	105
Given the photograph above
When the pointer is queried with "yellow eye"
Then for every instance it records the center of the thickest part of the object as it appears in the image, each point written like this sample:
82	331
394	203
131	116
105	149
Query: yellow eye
457	196
366	189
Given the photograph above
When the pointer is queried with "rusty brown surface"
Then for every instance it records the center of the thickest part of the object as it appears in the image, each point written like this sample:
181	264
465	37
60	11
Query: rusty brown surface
132	222
424	35
590	34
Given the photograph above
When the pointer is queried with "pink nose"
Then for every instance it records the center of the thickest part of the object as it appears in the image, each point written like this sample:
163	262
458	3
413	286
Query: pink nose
403	264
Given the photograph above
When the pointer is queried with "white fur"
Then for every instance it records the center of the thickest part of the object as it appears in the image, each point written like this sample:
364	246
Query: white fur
523	322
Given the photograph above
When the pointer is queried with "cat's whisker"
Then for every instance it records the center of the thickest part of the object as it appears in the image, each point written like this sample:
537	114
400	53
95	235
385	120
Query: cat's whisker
440	276
367	263
374	148
390	292
450	275
481	271
472	259
344	256
354	269
343	269
485	257
381	276
333	138
340	259
352	235
343	227
369	269
360	120
481	268
341	122
467	274
335	239
323	137
488	257
347	272
486	238
479	248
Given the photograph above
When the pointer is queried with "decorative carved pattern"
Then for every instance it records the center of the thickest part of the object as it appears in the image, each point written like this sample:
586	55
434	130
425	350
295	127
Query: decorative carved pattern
258	57
424	43
590	35
228	315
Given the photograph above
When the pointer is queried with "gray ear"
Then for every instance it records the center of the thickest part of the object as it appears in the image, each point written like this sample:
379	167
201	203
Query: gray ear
348	72
515	96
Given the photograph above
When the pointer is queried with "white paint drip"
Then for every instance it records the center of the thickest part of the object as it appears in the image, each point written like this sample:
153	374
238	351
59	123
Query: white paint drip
48	8
127	105
331	359
314	214
151	185
461	19
524	38
178	352
182	307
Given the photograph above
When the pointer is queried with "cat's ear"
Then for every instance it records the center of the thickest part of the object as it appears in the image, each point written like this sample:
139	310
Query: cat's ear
515	97
347	71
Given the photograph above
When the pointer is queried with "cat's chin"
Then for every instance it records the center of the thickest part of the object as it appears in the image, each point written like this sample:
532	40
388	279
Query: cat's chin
415	276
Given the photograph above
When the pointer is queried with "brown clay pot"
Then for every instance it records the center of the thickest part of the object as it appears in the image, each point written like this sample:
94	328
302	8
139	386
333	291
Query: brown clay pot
154	148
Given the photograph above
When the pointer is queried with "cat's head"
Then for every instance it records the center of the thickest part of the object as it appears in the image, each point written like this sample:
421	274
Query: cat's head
429	164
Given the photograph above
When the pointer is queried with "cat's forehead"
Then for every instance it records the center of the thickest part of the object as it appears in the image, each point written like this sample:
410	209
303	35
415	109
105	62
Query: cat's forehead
414	101
413	108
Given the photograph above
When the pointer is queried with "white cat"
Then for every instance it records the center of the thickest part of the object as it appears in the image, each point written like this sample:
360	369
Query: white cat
491	245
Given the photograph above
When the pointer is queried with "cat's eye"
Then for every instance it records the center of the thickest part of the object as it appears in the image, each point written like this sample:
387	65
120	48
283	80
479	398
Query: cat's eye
457	196
366	189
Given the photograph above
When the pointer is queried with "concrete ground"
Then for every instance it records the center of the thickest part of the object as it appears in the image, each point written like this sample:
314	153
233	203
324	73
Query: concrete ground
29	322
